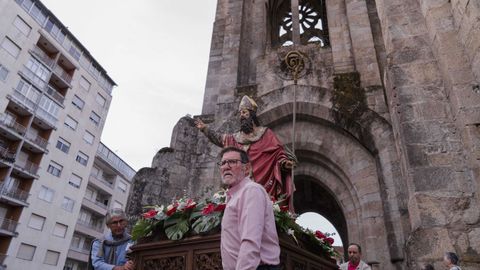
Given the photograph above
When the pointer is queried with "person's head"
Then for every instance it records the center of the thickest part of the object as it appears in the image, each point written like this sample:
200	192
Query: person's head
116	221
354	253
450	259
248	115
234	165
428	267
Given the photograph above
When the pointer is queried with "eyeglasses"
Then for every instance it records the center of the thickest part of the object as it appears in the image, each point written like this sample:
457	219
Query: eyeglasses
118	222
230	162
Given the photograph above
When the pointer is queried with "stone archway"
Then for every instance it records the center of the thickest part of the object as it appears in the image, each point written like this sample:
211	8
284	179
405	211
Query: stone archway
355	168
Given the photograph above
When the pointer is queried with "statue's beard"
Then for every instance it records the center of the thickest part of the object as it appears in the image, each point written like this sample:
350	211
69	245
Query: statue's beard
246	125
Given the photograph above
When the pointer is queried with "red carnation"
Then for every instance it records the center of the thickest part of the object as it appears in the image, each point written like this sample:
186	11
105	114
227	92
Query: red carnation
220	207
320	235
208	209
330	240
284	208
150	214
171	209
190	204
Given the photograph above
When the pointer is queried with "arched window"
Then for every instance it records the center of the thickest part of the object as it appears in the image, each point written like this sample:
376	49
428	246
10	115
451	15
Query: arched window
307	25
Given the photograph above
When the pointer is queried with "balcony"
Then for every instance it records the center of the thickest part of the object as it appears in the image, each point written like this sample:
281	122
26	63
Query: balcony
46	117
27	168
54	94
37	81
36	142
78	254
11	124
60	72
98	207
7	155
8	227
42	56
86	228
13	196
27	102
101	184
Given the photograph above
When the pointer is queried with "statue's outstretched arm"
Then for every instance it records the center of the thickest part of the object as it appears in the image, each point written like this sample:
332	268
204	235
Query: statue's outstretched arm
212	135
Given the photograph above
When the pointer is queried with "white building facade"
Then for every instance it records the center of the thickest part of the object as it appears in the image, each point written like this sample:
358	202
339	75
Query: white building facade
57	179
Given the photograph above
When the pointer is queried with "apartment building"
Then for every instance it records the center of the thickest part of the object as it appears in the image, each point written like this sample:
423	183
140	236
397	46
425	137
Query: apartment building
54	99
108	187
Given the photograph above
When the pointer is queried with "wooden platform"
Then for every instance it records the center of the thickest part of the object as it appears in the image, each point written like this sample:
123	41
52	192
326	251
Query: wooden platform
203	253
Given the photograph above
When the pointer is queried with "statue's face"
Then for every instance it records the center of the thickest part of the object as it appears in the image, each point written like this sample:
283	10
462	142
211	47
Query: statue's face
244	113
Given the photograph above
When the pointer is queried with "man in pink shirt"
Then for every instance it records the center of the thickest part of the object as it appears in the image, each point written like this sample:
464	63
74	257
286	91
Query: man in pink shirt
249	238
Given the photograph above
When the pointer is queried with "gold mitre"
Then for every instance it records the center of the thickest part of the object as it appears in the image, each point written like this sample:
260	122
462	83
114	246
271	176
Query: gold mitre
247	103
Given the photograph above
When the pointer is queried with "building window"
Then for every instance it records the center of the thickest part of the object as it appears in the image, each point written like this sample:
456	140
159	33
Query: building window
101	100
75	241
85	84
75	181
63	145
117	204
55	31
122	186
88	137
3	73
95	118
60	230
10	46
36	222
78	102
26	252
55	168
71	123
50	107
46	194
82	158
74	51
68	204
51	257
21	25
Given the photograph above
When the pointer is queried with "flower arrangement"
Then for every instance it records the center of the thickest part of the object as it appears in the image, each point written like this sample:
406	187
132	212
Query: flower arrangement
185	216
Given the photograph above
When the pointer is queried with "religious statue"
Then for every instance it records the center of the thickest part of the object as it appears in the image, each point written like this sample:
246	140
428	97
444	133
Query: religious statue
271	164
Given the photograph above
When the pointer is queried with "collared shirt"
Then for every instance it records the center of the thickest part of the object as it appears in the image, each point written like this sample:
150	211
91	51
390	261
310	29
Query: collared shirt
352	266
249	236
99	262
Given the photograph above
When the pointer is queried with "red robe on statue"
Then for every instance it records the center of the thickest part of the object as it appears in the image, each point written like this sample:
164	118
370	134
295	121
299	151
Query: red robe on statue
266	155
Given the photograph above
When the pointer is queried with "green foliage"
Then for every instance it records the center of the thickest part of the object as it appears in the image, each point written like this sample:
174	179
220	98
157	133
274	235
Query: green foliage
177	230
142	228
207	223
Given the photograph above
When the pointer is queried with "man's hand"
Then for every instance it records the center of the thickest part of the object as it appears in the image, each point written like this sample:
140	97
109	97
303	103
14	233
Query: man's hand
199	124
128	266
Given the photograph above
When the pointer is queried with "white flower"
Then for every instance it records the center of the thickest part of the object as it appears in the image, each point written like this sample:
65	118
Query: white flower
291	232
276	208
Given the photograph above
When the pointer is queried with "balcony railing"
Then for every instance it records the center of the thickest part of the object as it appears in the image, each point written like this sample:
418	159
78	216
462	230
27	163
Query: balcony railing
62	74
8	225
43	56
7	154
14	193
41	142
108	184
27	166
90	226
54	94
24	100
50	119
80	249
39	82
100	204
11	123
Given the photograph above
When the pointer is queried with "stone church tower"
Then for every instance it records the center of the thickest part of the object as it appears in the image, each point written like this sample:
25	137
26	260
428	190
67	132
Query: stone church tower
388	119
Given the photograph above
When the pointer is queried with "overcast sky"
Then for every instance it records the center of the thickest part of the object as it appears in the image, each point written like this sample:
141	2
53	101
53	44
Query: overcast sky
157	52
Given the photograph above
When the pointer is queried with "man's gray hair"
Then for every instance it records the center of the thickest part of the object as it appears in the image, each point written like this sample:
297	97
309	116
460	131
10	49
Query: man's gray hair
115	212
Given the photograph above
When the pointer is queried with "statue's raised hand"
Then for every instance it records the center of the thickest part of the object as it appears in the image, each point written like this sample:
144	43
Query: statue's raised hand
200	124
